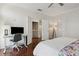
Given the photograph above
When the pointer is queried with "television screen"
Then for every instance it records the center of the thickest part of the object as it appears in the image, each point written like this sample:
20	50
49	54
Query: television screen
15	30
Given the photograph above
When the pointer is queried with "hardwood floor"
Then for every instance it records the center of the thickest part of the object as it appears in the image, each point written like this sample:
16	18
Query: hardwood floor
23	51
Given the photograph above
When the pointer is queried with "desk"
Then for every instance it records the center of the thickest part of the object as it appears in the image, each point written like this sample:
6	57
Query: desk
8	43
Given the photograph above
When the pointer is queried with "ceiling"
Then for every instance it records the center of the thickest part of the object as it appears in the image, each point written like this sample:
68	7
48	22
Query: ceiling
55	9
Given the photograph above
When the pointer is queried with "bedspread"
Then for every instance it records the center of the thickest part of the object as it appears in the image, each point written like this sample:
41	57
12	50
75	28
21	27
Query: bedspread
70	50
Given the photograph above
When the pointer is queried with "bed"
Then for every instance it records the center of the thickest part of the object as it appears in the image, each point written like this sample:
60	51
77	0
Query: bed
55	47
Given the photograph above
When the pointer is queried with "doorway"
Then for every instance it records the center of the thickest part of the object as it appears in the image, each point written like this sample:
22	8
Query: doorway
35	34
34	29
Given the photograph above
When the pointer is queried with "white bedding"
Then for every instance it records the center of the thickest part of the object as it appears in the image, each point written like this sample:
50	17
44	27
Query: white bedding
52	47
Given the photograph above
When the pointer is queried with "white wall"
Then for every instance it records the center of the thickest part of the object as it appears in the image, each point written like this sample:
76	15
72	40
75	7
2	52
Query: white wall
1	32
68	24
29	30
45	32
1	36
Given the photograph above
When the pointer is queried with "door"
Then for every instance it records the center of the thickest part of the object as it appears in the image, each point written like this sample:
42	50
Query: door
34	29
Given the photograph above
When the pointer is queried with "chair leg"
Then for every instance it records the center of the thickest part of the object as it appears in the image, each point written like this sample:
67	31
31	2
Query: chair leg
20	46
4	51
25	46
17	48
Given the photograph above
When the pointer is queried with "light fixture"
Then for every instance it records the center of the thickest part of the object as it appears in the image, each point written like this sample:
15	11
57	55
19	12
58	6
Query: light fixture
39	10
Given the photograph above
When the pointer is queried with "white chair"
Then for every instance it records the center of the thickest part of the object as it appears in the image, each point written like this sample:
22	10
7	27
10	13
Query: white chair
18	41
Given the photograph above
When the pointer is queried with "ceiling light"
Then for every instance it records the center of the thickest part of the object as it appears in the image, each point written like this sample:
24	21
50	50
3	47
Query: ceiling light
39	10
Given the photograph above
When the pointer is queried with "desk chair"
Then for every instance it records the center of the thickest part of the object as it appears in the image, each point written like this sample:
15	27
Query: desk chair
17	38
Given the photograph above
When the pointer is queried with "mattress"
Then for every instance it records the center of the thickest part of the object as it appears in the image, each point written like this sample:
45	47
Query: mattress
52	47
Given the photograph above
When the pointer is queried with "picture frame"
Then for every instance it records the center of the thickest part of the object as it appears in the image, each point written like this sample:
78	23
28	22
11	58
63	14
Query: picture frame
6	31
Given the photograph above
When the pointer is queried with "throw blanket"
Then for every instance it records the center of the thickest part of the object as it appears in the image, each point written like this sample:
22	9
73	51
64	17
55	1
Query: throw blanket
70	50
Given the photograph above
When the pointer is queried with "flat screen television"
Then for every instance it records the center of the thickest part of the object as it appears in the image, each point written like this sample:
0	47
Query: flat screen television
15	30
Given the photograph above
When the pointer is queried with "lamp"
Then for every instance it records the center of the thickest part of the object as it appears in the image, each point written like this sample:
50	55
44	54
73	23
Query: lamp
54	33
53	28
